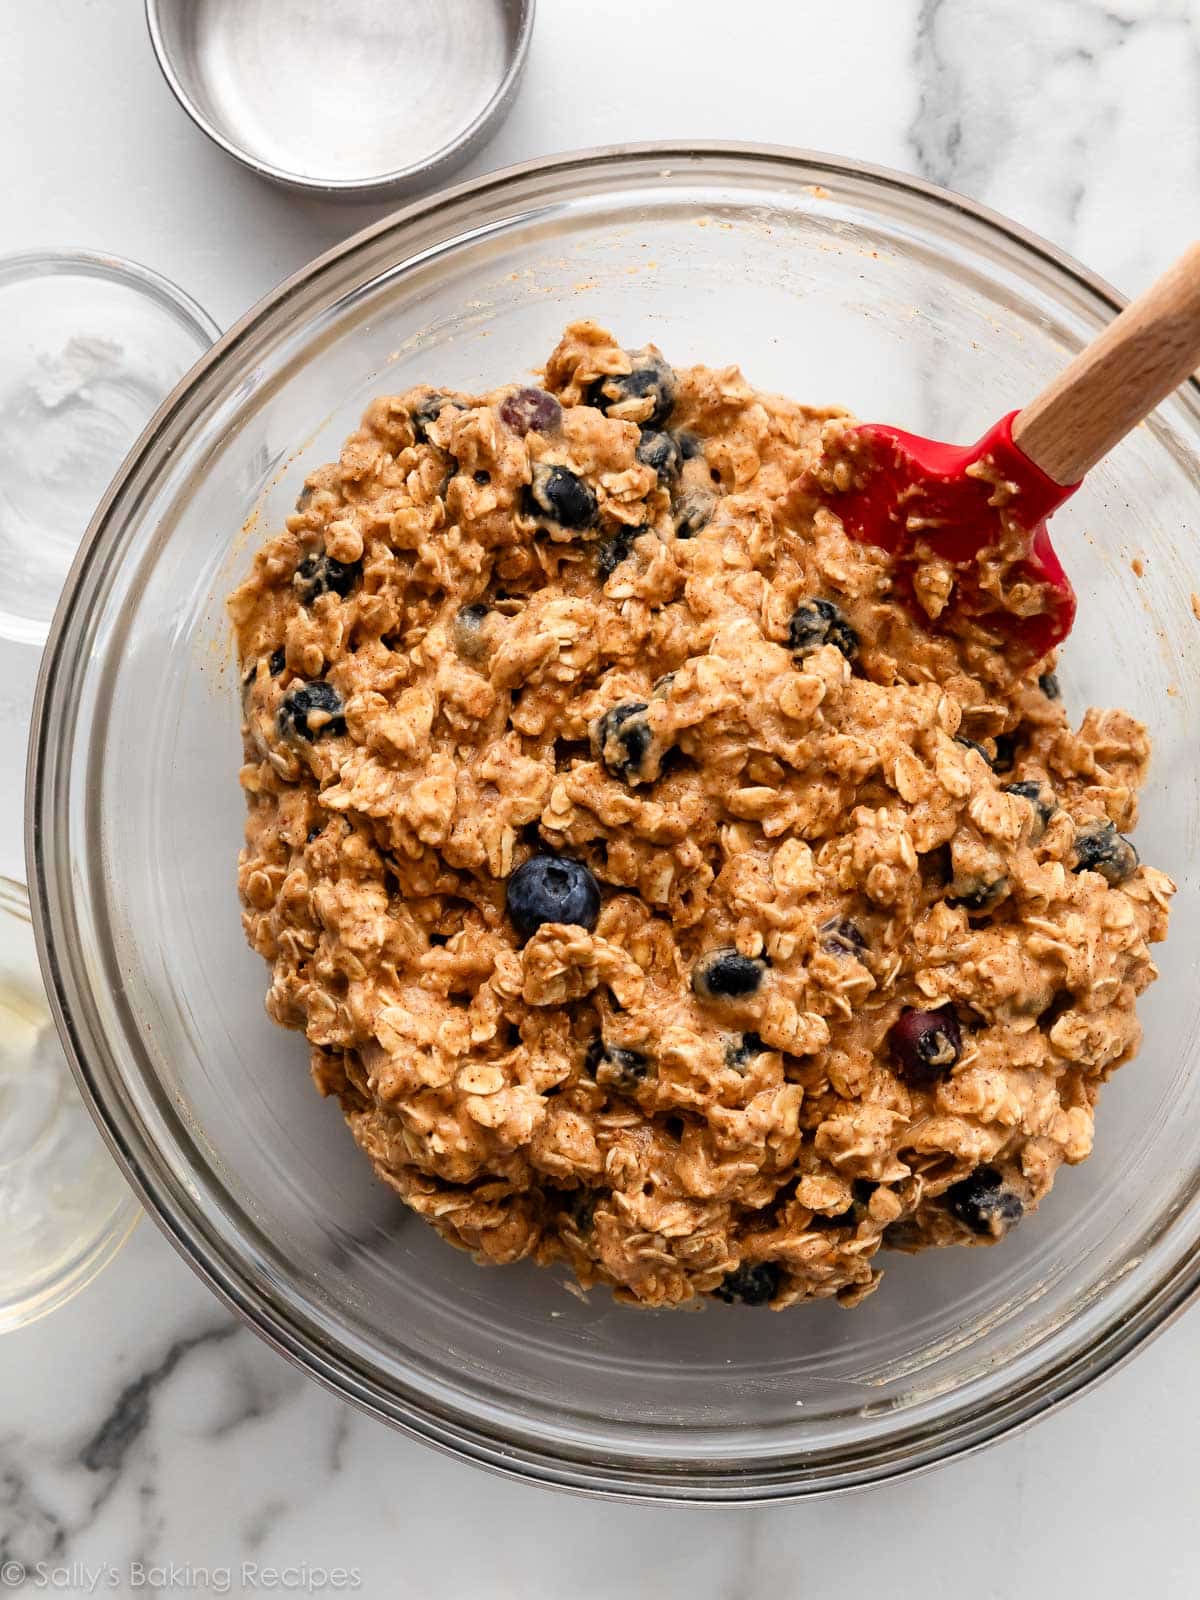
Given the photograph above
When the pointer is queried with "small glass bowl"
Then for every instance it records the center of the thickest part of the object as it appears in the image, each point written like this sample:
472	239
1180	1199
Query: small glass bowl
89	345
828	281
65	1206
88	348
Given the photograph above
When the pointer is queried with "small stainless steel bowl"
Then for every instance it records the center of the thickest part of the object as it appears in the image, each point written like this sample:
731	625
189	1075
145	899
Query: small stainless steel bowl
351	99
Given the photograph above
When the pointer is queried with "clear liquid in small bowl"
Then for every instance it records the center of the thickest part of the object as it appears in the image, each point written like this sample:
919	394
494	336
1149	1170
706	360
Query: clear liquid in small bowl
63	1204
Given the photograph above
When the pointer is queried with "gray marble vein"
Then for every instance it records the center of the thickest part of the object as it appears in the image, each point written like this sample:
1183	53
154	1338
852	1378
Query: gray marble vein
126	1422
30	1530
1067	114
339	1436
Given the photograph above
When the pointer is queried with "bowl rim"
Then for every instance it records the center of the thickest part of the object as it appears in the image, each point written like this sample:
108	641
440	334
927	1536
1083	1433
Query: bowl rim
287	1328
20	266
437	163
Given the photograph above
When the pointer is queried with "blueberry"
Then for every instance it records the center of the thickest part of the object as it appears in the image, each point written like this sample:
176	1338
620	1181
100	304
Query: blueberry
819	622
467	626
840	937
309	578
616	550
753	1285
1100	848
552	889
651	379
426	412
978	893
530	411
561	495
659	451
1048	684
277	662
925	1044
1039	795
296	713
321	574
1028	789
973	744
743	1047
726	974
1006	750
691	446
622	1070
623	740
693	512
580	1207
482	476
983	1204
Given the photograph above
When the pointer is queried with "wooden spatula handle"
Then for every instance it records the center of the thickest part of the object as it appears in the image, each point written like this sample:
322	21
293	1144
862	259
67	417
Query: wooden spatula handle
1109	387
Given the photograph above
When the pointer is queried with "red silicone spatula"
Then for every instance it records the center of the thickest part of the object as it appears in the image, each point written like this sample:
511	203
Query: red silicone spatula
982	509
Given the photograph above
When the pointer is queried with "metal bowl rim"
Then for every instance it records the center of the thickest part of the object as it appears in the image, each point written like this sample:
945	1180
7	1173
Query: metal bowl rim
438	161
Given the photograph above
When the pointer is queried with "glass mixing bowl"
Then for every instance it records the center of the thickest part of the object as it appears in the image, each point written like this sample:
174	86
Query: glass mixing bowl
828	281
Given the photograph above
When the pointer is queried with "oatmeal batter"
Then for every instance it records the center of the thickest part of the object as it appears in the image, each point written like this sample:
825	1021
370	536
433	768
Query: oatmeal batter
658	895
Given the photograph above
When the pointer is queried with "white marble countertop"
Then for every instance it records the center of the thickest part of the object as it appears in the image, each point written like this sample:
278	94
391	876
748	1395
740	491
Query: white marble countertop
142	1424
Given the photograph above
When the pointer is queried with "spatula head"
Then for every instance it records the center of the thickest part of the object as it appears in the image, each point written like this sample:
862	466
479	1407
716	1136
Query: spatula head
970	520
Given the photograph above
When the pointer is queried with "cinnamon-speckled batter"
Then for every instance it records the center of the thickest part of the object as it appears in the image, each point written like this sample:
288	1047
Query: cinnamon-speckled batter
853	936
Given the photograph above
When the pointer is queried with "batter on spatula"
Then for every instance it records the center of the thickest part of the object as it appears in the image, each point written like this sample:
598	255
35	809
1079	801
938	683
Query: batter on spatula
658	894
